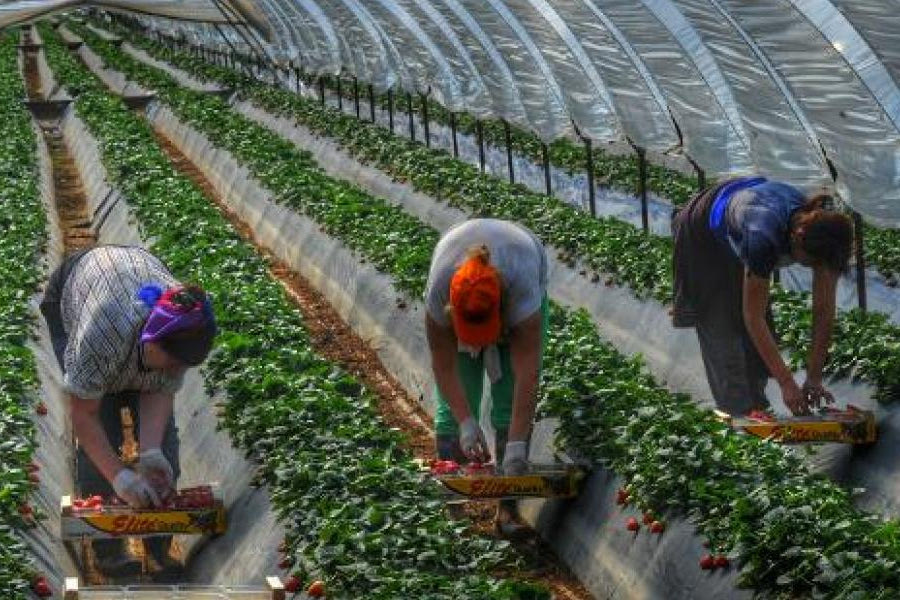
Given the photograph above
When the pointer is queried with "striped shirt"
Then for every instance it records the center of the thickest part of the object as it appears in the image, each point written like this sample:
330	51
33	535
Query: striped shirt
103	316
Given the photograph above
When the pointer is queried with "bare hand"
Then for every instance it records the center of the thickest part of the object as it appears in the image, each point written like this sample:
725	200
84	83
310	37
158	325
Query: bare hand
794	398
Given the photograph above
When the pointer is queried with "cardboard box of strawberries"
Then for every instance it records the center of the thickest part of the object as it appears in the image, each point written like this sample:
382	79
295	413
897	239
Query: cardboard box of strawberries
193	511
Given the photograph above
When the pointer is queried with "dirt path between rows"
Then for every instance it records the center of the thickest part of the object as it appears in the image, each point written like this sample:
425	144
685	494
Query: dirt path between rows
333	339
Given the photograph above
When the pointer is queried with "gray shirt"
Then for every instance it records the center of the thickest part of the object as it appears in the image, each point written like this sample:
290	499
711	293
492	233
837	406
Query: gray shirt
102	317
517	255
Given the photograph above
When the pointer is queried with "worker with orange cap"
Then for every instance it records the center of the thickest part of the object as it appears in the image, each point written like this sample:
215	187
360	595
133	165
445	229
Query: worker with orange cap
487	313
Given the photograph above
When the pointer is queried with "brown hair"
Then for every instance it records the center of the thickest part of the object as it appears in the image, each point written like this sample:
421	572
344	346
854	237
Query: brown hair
827	234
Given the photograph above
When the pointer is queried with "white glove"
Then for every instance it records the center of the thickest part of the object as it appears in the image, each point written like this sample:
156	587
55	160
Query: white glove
471	441
515	458
134	489
156	470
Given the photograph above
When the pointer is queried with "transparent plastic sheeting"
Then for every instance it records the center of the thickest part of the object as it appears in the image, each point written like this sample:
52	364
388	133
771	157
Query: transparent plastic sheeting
778	87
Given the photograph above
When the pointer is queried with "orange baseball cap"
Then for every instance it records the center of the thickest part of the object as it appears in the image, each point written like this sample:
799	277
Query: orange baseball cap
475	302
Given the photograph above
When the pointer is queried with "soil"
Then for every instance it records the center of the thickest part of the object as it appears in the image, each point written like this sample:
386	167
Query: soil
334	339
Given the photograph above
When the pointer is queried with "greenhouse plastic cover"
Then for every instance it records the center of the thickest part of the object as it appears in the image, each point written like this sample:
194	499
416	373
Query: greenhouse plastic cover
779	87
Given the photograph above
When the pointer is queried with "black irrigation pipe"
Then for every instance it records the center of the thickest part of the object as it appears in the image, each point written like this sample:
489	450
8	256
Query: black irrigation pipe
545	159
453	134
507	134
479	130
372	102
427	131
356	95
589	165
412	123
390	100
642	187
340	94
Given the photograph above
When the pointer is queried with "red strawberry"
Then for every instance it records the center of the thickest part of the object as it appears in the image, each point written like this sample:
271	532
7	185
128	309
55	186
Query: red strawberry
41	409
622	496
285	563
657	527
25	510
722	562
648	517
632	524
292	584
316	589
41	587
34	477
33	466
707	562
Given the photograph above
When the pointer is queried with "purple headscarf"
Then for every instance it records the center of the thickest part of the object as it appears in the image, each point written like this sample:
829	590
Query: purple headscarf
179	309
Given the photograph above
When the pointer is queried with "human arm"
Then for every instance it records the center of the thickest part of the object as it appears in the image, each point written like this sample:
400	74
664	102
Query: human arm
823	309
156	410
525	356
92	437
755	302
444	350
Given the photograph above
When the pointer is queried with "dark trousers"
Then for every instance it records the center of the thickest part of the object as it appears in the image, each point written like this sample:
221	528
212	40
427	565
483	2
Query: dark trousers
88	479
708	295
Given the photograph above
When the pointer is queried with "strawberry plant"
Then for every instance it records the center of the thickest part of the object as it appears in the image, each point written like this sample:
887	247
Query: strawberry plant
22	243
792	532
357	512
616	250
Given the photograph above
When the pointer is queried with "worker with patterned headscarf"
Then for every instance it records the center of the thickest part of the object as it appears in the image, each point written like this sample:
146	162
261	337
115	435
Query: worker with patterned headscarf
487	313
124	331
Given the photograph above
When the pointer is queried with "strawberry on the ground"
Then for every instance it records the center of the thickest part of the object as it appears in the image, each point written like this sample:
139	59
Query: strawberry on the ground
722	562
41	409
657	527
316	589
41	587
707	562
33	466
622	496
285	563
292	584
632	524
34	477
648	517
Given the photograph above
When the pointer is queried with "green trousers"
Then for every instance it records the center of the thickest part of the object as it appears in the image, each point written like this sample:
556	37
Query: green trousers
471	374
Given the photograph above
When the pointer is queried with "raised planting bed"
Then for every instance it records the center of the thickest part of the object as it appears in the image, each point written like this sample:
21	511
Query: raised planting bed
618	252
24	236
791	533
354	505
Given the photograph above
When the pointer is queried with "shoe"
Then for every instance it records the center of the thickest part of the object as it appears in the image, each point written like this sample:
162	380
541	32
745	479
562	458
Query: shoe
171	571
119	567
508	524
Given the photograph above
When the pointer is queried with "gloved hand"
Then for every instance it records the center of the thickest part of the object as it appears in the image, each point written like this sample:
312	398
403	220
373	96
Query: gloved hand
515	458
471	440
134	489
156	470
816	394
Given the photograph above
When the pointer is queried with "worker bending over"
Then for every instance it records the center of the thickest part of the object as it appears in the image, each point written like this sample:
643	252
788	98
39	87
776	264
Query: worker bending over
124	332
487	312
728	242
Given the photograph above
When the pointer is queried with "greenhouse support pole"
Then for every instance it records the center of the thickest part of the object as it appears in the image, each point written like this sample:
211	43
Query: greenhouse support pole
589	166
356	95
479	130
372	102
426	129
545	159
390	99
507	134
340	94
859	250
642	187
412	123
454	135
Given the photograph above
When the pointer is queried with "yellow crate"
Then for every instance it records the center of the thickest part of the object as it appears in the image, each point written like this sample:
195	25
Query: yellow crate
851	426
